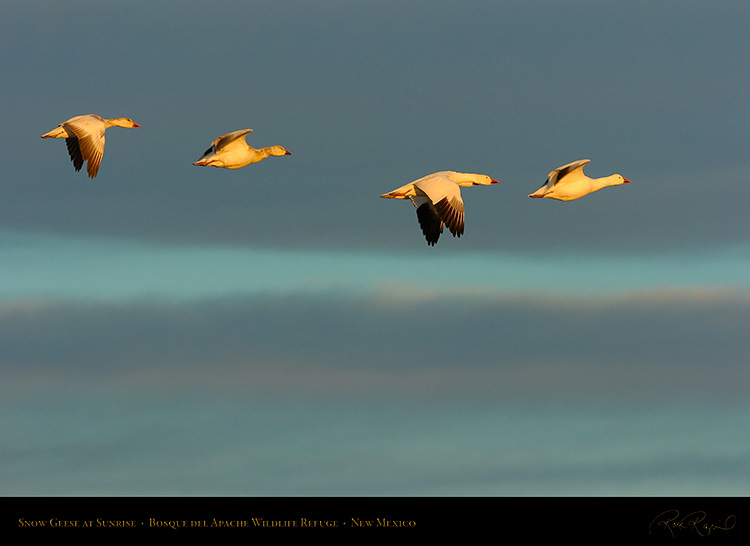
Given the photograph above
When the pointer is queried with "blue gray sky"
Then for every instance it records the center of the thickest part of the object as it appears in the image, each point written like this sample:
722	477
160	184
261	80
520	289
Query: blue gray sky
290	285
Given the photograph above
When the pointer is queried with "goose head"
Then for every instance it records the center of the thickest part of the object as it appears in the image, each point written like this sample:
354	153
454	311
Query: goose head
470	179
617	179
122	122
278	150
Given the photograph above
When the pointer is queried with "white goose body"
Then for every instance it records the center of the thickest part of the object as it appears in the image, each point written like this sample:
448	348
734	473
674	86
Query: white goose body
568	182
84	138
437	198
231	151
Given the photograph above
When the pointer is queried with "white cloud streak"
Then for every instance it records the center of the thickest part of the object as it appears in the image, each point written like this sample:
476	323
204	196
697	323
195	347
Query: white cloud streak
647	345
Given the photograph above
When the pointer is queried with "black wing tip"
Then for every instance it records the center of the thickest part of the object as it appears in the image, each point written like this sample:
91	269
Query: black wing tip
451	215
74	151
430	222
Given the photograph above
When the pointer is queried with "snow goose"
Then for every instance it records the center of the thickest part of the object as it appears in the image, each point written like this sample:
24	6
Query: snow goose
84	137
230	151
568	182
437	198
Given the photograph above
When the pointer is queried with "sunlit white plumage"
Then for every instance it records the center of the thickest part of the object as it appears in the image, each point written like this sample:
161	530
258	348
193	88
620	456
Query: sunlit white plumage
437	198
568	182
231	151
84	138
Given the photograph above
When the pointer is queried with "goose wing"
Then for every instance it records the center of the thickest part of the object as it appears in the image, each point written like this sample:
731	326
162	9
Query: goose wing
231	140
573	169
445	197
86	142
429	218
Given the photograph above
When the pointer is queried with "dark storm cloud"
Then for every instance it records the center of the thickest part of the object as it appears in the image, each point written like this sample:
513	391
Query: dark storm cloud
371	95
681	344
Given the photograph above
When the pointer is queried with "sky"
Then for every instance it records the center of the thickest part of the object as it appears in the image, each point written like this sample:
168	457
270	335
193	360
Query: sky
302	323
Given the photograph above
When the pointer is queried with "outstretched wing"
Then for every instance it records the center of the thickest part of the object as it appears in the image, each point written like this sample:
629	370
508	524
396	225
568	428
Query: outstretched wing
445	196
429	219
88	145
75	152
571	169
230	140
